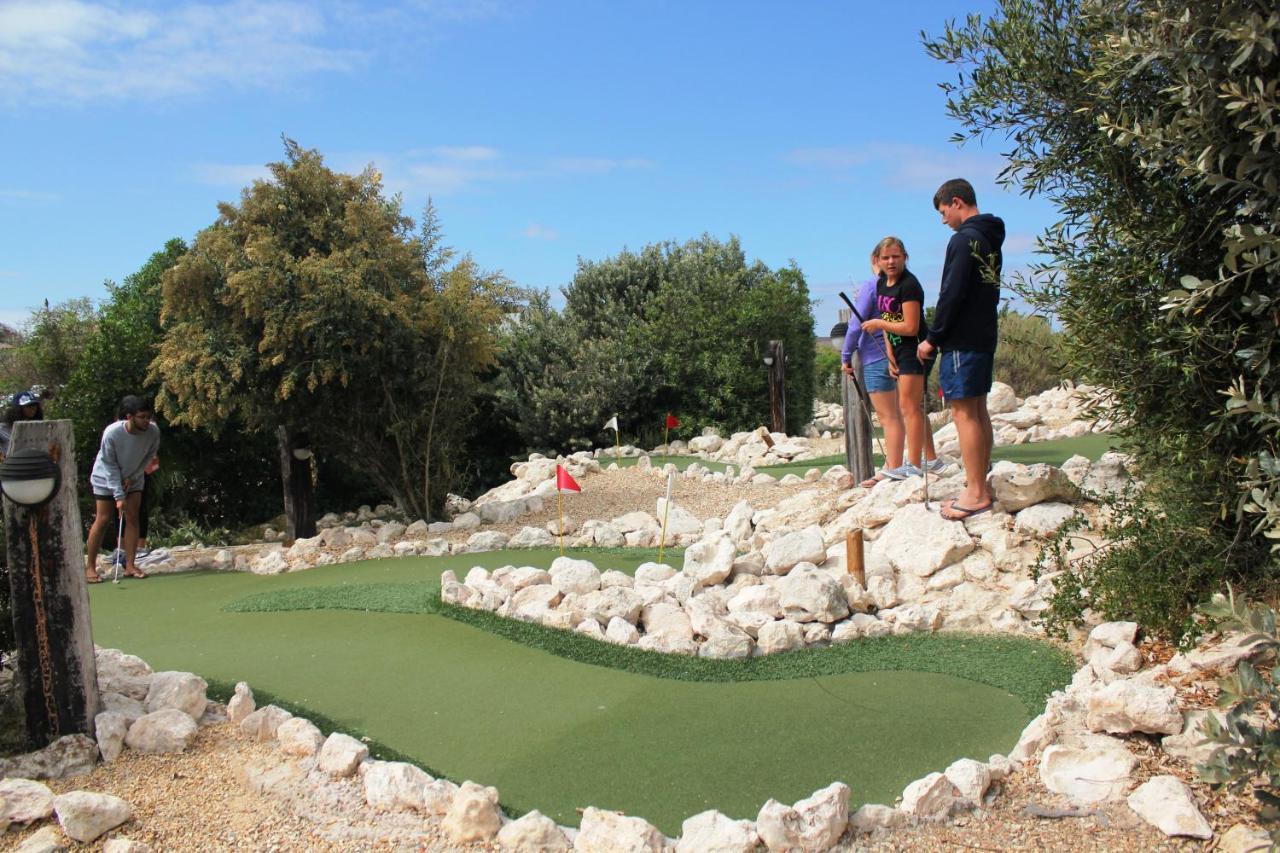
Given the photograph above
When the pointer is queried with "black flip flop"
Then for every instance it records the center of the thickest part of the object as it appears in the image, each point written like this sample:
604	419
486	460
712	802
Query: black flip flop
967	512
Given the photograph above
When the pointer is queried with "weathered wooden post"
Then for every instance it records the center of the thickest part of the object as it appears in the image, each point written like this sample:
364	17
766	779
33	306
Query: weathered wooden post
857	415
295	473
57	673
776	360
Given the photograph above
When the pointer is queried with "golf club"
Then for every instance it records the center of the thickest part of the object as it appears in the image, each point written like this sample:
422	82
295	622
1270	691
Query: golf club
924	463
118	557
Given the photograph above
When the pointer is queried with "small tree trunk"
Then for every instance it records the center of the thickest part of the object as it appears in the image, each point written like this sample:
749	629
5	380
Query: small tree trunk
57	672
295	473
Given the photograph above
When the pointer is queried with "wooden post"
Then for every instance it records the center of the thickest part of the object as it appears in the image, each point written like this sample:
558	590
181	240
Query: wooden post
295	473
854	557
857	428
57	672
777	387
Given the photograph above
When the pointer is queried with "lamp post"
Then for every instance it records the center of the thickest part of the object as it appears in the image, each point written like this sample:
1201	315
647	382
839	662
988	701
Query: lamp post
57	674
776	361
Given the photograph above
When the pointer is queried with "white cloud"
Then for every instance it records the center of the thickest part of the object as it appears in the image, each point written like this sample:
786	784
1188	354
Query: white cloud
534	231
913	167
16	195
596	165
101	49
468	153
229	174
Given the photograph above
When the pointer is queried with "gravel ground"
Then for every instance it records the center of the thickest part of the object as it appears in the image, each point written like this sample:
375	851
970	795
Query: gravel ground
610	494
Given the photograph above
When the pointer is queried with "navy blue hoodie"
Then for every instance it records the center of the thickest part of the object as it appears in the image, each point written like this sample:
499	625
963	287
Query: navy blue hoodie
969	298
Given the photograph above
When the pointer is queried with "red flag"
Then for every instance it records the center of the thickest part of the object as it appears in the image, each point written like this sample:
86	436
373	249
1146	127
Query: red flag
564	482
672	421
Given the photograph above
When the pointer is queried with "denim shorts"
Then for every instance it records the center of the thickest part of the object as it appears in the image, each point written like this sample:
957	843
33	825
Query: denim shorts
876	377
965	373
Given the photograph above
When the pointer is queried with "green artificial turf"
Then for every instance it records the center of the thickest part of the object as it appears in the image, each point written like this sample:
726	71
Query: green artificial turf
1053	452
557	721
681	462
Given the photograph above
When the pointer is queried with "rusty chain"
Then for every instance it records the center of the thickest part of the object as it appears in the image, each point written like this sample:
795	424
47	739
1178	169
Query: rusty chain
42	627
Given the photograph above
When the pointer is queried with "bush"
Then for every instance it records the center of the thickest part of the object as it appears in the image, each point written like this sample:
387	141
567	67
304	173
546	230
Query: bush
1151	125
1029	357
673	328
826	374
1248	751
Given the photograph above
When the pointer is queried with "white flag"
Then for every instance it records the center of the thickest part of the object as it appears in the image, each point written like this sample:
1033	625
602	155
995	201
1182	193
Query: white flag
612	424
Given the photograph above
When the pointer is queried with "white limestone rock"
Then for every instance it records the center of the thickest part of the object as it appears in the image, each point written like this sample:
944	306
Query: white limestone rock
1109	635
341	754
570	575
1244	839
1044	519
109	727
808	594
299	737
667	622
264	723
1038	734
932	798
613	578
918	542
125	845
46	839
1128	706
759	598
1098	769
533	832
24	801
438	796
728	643
654	573
971	778
780	636
84	816
167	730
622	632
1166	803
679	520
614	602
609	832
713	832
1018	487
873	816
241	704
181	690
394	785
709	561
531	537
1001	399
791	549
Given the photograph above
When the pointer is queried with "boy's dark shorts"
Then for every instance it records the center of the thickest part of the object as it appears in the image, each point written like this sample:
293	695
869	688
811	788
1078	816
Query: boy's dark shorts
965	373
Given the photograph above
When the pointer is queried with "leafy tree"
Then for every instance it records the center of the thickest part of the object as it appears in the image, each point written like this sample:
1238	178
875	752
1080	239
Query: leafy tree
213	481
1029	358
310	309
1153	126
673	327
50	345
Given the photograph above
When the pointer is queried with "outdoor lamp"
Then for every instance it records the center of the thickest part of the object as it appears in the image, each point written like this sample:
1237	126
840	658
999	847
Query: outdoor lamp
768	361
302	454
29	477
838	332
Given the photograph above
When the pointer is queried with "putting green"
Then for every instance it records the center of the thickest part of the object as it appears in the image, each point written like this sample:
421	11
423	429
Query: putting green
1053	452
555	733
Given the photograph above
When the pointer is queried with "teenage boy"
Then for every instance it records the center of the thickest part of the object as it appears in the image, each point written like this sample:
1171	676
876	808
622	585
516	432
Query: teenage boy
964	331
117	480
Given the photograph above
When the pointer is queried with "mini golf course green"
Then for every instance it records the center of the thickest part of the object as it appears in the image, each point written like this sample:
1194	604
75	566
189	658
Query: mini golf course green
557	721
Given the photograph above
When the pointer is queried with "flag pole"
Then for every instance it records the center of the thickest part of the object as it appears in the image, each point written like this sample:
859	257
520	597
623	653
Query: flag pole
560	522
666	508
617	443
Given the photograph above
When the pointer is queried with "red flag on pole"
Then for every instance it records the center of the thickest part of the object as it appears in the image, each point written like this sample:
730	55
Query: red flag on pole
672	421
564	482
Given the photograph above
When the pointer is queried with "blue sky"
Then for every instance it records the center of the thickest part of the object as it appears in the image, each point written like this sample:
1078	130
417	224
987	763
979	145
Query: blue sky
545	131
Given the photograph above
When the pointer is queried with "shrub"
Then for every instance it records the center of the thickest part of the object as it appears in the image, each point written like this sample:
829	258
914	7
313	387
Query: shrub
679	328
826	373
1248	751
1152	126
1029	357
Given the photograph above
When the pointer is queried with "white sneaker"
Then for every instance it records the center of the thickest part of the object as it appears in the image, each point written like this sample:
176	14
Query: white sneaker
936	465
